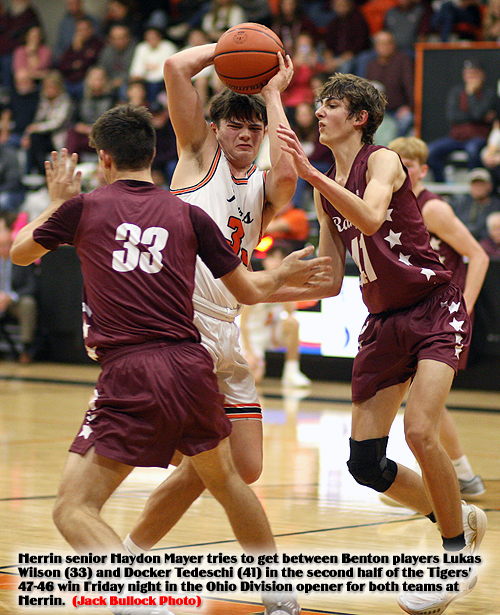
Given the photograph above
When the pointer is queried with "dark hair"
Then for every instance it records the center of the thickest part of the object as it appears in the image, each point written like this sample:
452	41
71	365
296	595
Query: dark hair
229	105
360	95
127	134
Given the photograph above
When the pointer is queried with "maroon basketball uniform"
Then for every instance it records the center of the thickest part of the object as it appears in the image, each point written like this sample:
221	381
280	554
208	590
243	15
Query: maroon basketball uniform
401	278
137	245
450	258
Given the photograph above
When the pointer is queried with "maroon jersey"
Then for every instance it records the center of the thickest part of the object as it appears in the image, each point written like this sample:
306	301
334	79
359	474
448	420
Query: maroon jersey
137	245
450	258
398	268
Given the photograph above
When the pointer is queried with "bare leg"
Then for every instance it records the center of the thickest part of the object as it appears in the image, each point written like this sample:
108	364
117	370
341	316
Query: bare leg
245	513
291	334
448	434
169	501
373	419
87	483
422	423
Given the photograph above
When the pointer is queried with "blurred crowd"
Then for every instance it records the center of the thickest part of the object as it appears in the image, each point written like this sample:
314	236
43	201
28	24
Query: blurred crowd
51	93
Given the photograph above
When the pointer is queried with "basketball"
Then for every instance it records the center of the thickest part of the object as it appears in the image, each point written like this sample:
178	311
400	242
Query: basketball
245	57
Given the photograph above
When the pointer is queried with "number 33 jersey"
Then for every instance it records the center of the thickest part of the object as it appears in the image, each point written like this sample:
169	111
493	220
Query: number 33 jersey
236	205
137	245
398	268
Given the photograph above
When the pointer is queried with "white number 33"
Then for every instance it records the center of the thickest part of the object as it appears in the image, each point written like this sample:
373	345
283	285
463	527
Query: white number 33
154	239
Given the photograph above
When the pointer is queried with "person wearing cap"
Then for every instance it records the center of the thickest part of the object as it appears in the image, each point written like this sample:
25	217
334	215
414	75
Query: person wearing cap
492	243
474	207
470	111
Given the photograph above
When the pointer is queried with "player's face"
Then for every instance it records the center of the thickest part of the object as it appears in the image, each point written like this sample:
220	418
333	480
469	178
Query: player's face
240	140
333	120
416	171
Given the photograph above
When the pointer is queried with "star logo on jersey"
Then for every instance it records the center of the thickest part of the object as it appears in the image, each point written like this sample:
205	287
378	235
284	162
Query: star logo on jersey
388	215
85	327
427	272
457	324
393	238
453	307
404	259
458	338
85	432
458	350
435	243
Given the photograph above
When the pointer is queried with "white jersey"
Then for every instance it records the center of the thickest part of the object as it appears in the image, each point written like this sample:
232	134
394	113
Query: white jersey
236	205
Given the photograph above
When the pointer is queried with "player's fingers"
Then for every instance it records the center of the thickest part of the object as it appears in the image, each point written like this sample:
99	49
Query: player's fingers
71	167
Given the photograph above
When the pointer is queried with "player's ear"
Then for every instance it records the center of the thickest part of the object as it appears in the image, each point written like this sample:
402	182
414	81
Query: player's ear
106	158
424	169
361	118
213	126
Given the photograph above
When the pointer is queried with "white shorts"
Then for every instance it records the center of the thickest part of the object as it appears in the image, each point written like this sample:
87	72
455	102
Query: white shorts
234	376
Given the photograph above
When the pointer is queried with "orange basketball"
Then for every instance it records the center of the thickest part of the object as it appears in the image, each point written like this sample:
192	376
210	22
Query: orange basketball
245	57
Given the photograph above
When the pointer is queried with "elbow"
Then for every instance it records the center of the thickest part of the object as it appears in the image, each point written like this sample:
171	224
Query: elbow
17	257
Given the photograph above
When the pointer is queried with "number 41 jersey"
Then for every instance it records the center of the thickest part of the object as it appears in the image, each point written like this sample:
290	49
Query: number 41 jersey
235	204
398	268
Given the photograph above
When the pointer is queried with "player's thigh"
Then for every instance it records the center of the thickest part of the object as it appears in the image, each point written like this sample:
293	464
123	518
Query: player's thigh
246	448
90	479
215	466
427	396
373	417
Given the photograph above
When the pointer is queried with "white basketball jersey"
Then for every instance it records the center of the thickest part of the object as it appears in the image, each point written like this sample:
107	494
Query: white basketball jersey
236	205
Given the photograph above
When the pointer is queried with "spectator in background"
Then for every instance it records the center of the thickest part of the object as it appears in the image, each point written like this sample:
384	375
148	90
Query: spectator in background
490	155
15	21
257	11
272	325
79	57
11	173
291	21
346	36
34	56
458	19
491	243
409	22
147	61
222	15
20	110
305	125
17	291
305	65
48	131
124	13
116	58
470	111
394	70
374	12
491	21
291	225
96	100
66	28
473	208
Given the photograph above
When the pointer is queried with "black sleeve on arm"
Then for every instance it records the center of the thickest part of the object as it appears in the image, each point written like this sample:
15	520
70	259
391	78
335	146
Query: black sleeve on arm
213	247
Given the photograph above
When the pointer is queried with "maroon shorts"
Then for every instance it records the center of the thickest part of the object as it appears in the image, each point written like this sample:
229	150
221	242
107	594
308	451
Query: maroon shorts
151	400
391	344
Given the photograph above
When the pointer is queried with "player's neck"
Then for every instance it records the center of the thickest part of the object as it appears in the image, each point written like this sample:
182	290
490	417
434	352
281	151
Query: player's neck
143	175
345	154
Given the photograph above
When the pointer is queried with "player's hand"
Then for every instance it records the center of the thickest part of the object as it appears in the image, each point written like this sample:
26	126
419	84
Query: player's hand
291	145
282	79
62	181
310	273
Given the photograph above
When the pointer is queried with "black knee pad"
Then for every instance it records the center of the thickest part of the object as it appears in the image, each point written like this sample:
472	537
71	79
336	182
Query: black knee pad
369	466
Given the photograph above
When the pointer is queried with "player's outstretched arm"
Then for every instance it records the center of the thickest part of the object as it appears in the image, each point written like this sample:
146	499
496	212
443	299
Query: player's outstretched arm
251	287
281	180
184	104
62	183
441	220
